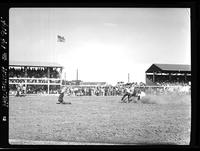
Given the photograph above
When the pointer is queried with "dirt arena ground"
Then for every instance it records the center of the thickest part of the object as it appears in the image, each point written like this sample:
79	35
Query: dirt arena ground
98	119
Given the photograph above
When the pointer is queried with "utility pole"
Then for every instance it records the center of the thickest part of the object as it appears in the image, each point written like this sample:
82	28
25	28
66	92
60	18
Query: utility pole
77	75
128	78
77	82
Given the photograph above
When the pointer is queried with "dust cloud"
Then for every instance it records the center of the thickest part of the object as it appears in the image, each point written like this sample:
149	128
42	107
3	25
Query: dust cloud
167	99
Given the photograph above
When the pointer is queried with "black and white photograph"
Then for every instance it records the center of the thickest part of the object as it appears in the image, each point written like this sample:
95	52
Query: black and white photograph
99	76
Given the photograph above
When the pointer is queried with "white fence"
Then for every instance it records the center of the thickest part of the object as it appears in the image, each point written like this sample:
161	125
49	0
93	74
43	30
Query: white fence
35	81
120	90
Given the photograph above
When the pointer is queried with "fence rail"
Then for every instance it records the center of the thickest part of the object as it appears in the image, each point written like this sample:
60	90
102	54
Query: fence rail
102	90
34	78
35	81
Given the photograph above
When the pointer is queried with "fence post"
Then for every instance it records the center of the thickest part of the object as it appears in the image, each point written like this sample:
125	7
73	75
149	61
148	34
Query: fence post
48	86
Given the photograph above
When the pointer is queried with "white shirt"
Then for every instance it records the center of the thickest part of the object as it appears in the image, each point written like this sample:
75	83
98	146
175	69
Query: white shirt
63	90
142	94
127	90
132	89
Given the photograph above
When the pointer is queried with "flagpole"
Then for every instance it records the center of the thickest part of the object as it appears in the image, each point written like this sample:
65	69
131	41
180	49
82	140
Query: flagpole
59	39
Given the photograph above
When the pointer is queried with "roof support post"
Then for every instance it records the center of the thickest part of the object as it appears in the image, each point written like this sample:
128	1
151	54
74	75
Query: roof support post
185	77
48	75
25	70
48	72
146	77
48	87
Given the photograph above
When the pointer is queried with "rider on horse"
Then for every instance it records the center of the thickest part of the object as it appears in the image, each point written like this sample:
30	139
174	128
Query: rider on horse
133	91
129	91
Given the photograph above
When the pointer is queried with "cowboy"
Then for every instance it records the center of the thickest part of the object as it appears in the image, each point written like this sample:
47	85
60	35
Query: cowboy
133	92
62	91
127	93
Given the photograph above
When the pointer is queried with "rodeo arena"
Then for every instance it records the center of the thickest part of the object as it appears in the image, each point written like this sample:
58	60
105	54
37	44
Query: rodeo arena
125	113
26	79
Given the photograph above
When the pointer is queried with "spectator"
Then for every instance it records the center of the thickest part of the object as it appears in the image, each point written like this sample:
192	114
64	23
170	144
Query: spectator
32	72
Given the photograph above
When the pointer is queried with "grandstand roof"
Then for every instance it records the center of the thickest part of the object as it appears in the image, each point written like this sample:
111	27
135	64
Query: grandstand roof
169	68
34	64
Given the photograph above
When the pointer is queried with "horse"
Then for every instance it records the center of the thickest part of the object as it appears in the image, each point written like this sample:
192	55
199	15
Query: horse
134	95
131	94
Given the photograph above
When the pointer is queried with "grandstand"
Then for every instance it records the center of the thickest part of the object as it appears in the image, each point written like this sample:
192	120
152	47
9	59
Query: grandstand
35	77
168	74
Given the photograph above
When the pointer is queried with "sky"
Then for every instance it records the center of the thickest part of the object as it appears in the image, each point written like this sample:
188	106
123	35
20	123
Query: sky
104	44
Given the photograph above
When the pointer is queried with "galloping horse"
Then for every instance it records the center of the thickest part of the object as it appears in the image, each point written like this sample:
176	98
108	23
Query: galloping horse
134	95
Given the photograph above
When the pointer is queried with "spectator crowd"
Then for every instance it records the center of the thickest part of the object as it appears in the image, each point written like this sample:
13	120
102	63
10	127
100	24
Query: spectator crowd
173	81
109	90
33	72
162	82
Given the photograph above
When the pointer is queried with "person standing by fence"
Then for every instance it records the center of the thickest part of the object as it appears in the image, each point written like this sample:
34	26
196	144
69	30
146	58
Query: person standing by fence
18	91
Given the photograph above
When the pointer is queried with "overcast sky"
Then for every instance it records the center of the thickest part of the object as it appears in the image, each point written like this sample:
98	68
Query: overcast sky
105	44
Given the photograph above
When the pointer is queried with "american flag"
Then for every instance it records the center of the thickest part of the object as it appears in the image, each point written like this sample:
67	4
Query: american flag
60	38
